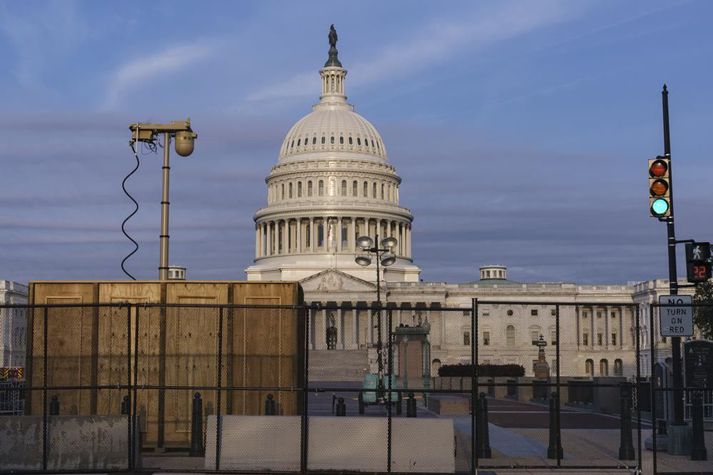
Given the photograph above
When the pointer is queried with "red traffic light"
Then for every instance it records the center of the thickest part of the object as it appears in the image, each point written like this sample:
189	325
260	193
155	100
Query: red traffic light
658	168
659	187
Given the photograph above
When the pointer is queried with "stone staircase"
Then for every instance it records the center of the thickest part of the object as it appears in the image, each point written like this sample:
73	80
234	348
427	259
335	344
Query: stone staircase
338	365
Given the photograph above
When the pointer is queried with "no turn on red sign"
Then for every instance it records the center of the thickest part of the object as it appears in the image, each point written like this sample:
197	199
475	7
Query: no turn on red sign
676	318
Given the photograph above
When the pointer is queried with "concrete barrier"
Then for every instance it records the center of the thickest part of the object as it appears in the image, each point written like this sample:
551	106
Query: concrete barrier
345	443
74	443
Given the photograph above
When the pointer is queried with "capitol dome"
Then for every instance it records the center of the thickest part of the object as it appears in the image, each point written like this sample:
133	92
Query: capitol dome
332	184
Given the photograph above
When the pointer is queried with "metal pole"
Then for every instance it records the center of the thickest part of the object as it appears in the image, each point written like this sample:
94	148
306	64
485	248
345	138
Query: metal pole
45	449
557	368
639	462
652	355
379	344
163	237
473	384
672	277
218	415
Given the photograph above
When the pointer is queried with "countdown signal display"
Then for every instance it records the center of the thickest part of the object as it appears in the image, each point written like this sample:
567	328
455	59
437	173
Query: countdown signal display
698	261
660	187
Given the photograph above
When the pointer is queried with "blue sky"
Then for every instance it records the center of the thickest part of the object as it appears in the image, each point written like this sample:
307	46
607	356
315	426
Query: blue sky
521	129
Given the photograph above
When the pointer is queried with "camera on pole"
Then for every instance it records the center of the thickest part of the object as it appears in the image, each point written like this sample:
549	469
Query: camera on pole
660	187
698	261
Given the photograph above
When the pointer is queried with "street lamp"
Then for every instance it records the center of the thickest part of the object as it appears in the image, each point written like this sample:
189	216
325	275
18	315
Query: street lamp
384	257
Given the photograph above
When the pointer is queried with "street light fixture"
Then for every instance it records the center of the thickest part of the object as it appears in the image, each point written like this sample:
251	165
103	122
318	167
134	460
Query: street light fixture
384	257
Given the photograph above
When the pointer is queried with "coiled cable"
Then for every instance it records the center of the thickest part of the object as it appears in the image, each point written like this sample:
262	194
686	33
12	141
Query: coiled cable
136	209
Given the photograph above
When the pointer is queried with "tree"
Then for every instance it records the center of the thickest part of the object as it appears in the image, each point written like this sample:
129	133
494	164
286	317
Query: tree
703	316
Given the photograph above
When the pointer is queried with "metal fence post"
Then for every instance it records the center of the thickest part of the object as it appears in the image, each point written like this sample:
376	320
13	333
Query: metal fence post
626	446
554	450
483	431
197	427
698	449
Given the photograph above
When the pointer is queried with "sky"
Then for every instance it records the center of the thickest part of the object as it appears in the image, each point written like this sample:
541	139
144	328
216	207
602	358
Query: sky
521	129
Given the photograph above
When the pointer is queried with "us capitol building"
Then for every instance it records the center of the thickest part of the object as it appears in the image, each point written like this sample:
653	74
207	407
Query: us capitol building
333	183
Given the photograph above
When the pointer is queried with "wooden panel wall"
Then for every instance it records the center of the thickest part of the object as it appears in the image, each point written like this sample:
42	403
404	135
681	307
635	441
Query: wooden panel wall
177	347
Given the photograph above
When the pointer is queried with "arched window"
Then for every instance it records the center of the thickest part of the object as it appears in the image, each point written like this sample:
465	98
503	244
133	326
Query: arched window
366	190
373	191
331	139
359	141
435	366
510	336
589	367
298	142
618	367
290	190
314	140
341	140
382	191
350	141
355	188
344	187
321	188
323	139
466	338
309	188
299	189
282	192
603	367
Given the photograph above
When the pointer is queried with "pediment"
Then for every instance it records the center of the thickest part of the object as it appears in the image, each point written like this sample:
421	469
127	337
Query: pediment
332	280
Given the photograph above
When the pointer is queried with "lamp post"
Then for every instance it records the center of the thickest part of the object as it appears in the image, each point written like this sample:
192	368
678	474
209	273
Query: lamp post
382	250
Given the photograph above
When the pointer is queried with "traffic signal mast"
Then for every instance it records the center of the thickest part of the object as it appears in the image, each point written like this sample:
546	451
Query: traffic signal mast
660	187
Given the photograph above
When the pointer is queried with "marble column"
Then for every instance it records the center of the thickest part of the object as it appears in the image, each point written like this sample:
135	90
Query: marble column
355	330
299	235
312	246
268	235
352	235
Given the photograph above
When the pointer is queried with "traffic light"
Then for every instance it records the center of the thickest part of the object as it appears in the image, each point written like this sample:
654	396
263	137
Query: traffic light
698	261
660	187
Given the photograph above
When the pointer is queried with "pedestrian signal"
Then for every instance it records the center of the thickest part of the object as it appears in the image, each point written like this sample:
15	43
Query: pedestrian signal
698	261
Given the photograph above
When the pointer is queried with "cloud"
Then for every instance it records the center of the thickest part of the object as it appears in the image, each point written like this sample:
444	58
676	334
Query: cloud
437	42
139	71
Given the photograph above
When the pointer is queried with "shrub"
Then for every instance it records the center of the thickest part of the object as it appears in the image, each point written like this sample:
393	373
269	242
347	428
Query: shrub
484	370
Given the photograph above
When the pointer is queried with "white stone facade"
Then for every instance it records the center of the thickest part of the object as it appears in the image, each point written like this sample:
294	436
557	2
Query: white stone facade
13	324
333	183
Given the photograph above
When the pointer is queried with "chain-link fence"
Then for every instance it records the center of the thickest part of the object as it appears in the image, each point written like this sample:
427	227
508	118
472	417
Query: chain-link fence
247	388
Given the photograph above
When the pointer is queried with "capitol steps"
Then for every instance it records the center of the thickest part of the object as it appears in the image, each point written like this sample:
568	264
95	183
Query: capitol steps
337	365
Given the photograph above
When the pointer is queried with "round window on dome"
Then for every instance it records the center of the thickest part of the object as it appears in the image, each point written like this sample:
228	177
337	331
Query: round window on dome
314	140
350	141
358	140
323	139
331	139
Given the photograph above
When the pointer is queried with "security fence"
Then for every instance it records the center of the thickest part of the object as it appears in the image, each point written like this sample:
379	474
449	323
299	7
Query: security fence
208	388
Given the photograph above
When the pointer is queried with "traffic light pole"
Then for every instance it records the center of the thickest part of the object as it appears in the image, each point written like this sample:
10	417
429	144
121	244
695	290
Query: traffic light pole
673	290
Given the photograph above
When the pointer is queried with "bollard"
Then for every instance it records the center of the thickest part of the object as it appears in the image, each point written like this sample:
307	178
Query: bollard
626	444
481	427
270	408
554	450
410	406
125	406
54	406
197	427
698	447
341	407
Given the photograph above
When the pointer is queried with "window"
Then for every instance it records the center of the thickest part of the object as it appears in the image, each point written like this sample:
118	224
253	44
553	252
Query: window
486	338
466	338
308	236
486	314
553	312
613	314
344	187
599	314
341	140
345	236
600	339
509	312
382	191
589	367
366	190
618	367
299	189
373	191
585	339
320	235
533	312
613	339
355	188
350	141
534	335
321	188
510	335
553	337
314	140
290	192
323	140
358	140
331	139
282	192
603	368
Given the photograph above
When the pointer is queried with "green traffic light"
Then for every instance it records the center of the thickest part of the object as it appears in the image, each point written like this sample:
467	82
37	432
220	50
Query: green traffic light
659	207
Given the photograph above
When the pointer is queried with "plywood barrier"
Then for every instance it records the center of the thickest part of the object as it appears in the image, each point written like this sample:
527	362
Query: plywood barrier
177	349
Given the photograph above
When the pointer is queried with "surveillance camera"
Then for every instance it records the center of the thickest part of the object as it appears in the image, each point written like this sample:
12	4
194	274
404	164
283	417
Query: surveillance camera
184	142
